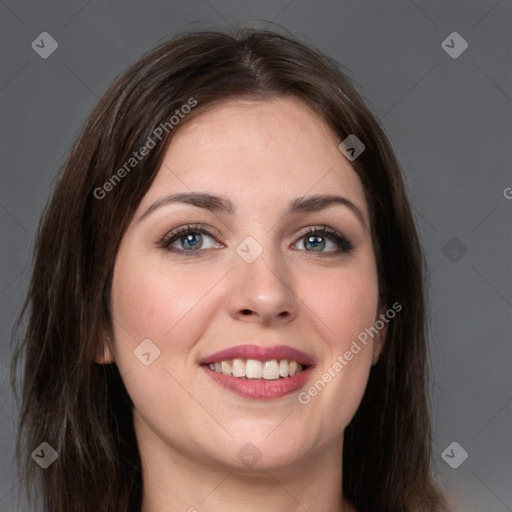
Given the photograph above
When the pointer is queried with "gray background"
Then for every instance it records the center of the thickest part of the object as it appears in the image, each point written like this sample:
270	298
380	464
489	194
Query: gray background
448	119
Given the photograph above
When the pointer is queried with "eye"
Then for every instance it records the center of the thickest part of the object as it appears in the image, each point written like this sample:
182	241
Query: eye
189	239
317	239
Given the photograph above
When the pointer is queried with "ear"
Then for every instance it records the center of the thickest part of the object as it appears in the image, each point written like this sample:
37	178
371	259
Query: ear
104	353
379	342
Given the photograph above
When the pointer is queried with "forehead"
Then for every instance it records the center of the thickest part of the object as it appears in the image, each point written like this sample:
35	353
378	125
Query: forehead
285	126
266	150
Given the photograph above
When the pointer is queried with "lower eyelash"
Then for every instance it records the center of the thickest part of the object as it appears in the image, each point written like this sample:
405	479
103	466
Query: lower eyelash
343	243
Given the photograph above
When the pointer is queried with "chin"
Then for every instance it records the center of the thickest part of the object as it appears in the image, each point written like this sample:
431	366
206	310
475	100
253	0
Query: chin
261	453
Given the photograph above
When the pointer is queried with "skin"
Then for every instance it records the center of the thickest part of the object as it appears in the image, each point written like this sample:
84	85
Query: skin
261	155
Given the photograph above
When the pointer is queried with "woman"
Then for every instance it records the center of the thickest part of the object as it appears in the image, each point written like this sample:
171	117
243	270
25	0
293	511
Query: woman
227	306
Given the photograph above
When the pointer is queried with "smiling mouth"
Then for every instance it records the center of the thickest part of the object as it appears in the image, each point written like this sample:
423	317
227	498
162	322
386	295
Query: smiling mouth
260	373
259	380
256	370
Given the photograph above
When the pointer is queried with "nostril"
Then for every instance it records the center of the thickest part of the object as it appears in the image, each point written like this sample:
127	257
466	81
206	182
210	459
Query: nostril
246	312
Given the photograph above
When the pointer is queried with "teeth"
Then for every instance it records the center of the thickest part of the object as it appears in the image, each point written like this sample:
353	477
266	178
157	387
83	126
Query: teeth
283	368
254	369
238	368
271	370
226	367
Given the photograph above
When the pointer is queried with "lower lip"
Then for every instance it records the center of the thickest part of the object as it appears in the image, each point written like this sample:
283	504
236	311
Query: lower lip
260	389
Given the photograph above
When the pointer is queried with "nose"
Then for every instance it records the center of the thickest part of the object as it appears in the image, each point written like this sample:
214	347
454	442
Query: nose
262	291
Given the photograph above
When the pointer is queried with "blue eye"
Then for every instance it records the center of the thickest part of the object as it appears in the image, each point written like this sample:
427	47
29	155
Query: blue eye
190	240
317	239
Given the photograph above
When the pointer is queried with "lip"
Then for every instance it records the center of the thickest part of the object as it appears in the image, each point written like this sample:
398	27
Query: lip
260	389
259	353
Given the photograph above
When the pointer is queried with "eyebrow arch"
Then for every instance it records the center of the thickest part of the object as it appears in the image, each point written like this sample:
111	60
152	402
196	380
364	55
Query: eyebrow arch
223	204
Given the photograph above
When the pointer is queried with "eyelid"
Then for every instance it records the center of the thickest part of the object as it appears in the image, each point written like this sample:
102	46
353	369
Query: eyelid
165	240
337	237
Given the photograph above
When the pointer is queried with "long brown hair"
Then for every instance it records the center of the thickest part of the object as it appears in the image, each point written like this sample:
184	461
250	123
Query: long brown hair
82	408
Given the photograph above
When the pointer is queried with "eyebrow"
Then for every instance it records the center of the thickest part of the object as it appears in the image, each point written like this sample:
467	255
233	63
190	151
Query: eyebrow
216	203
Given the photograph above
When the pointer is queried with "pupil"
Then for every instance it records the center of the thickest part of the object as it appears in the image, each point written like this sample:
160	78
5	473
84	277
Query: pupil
315	244
190	239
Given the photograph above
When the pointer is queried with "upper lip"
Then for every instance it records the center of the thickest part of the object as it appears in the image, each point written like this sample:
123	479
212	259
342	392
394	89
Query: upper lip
260	353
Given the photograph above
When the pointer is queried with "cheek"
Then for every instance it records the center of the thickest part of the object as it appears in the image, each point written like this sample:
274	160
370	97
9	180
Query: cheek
149	302
346	303
346	306
153	299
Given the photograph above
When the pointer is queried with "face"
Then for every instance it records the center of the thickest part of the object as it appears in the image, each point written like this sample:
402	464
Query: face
276	289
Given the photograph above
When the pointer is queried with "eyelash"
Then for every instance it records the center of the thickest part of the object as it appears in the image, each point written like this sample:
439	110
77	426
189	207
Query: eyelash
343	243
